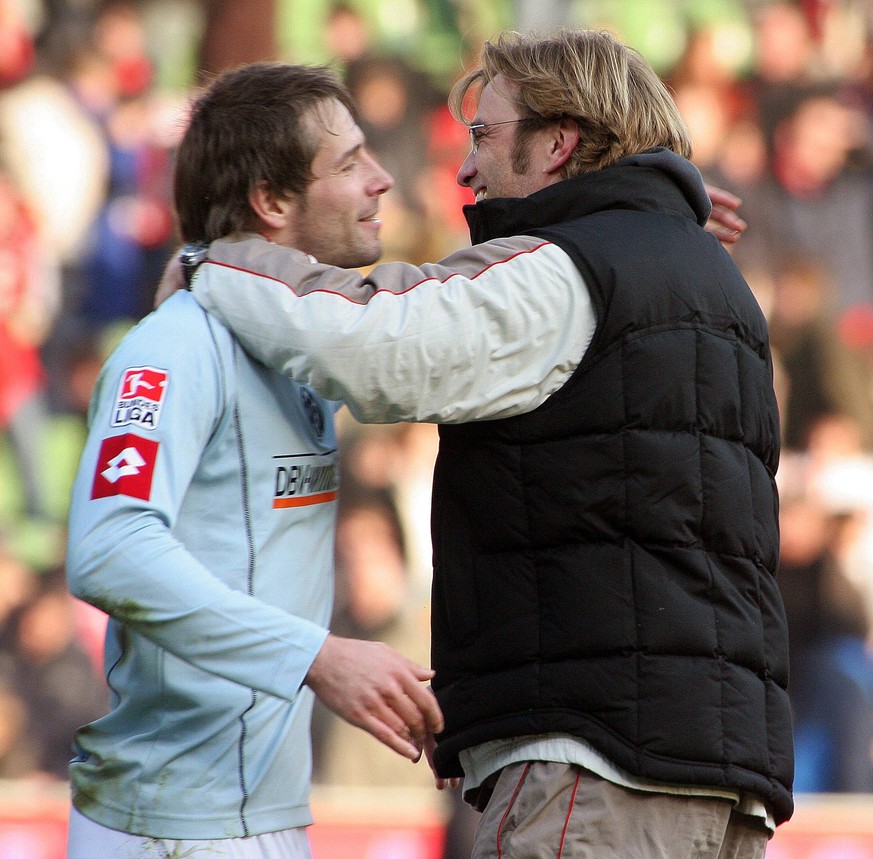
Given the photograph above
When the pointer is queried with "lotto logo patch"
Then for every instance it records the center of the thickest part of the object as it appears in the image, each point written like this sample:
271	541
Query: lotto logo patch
125	466
140	397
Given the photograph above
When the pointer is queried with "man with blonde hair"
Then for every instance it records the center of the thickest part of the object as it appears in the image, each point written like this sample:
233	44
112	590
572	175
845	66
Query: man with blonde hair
608	637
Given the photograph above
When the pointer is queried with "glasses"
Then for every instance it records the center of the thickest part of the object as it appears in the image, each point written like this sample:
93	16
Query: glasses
477	131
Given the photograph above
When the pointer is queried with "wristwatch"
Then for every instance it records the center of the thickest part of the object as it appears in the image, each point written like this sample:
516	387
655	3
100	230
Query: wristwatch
191	256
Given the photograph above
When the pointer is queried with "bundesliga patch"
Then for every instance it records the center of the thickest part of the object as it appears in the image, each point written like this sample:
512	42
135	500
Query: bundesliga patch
125	466
140	398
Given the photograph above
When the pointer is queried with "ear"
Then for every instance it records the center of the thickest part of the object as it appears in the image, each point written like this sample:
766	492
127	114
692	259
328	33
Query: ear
562	143
274	212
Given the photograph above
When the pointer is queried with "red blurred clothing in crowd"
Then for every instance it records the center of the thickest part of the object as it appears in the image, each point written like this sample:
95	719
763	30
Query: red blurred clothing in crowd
17	52
21	374
25	314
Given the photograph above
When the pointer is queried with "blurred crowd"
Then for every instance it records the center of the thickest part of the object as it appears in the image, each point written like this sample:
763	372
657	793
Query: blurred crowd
779	100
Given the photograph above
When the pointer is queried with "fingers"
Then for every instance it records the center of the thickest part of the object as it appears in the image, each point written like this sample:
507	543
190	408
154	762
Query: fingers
415	708
727	219
724	223
720	197
377	717
397	739
415	704
440	782
725	236
374	687
426	718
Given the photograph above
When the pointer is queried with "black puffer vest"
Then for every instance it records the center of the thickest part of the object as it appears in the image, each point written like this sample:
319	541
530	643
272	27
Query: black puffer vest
605	565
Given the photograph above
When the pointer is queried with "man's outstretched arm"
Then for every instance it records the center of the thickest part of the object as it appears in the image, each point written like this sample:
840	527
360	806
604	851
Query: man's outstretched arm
490	332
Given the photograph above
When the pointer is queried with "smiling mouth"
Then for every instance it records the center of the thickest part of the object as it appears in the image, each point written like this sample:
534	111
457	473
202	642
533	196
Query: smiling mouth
481	194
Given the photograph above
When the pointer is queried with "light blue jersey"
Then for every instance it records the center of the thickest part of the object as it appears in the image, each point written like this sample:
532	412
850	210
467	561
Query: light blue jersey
202	522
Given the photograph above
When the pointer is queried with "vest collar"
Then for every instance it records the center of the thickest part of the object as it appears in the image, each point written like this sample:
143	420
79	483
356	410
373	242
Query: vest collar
656	180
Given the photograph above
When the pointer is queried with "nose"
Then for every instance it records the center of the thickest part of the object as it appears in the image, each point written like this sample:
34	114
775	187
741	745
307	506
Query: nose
467	170
381	180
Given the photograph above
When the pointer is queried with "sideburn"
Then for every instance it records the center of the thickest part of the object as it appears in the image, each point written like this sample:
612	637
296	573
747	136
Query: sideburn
519	155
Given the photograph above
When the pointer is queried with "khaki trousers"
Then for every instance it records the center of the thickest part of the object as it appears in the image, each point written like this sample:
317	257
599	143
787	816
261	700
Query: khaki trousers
542	810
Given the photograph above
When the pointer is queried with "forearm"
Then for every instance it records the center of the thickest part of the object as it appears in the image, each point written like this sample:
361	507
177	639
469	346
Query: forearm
132	568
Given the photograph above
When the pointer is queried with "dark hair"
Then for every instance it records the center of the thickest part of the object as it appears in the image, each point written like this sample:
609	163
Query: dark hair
253	124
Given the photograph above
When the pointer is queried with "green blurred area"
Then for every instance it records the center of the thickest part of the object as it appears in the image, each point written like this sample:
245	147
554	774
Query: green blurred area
41	543
437	36
441	36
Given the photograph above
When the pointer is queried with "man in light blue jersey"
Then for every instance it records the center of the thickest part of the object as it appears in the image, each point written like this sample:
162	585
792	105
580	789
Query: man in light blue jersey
202	518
